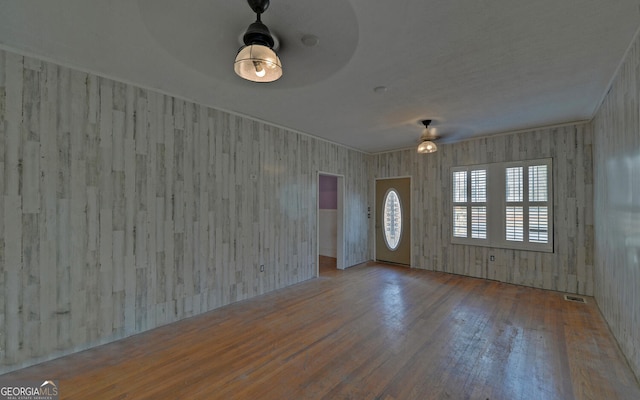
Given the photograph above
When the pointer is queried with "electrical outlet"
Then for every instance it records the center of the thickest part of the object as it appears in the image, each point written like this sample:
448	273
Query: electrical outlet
492	258
262	268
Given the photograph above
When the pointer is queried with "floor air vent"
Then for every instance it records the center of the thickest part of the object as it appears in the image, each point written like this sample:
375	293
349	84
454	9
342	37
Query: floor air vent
576	299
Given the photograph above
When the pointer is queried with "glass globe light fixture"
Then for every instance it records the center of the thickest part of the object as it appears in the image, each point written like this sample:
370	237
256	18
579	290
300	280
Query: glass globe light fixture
258	63
427	146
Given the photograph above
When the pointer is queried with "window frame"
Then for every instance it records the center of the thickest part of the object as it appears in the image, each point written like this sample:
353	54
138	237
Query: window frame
496	203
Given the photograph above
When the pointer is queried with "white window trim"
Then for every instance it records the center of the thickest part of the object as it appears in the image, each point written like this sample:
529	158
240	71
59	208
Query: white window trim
496	206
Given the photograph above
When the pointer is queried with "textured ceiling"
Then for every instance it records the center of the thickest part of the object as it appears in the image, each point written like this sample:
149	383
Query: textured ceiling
475	67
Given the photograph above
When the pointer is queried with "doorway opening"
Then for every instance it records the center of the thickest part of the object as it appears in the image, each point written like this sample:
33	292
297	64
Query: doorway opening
330	224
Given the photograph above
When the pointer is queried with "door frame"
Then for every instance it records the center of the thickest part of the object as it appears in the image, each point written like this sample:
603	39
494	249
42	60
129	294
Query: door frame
375	210
340	255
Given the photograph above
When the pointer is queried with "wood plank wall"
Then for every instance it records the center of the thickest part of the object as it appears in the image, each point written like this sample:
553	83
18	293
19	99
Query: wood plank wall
616	128
568	269
122	209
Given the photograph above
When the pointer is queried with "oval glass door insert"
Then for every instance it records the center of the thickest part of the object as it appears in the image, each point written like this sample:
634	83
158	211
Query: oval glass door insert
392	218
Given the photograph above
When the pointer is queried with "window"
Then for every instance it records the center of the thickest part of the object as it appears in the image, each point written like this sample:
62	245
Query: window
514	218
479	204
392	219
460	204
503	205
470	199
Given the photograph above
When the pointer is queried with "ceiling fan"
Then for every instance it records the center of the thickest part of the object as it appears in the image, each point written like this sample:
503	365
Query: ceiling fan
257	61
427	140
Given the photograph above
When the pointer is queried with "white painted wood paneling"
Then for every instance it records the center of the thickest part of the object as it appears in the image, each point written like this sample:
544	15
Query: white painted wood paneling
122	209
616	128
569	268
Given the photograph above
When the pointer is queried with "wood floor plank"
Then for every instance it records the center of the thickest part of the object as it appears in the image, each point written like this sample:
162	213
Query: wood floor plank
370	332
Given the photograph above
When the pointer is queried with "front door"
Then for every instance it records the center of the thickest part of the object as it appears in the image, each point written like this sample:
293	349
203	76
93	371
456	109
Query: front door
393	220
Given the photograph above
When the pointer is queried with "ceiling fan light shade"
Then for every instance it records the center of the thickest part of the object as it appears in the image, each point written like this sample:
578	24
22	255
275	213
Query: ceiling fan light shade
426	147
258	63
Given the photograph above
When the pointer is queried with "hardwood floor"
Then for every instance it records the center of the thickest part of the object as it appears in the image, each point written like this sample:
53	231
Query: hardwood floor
327	265
369	332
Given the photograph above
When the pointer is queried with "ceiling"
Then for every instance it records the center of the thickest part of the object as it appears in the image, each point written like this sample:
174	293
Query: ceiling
475	67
